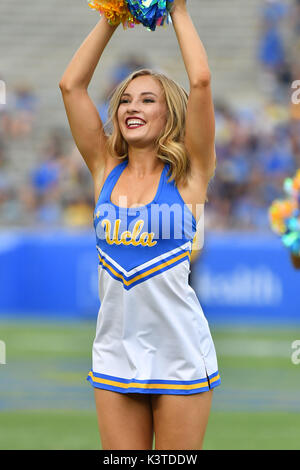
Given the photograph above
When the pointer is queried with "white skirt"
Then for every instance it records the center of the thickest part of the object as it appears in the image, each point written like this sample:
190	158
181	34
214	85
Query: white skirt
153	337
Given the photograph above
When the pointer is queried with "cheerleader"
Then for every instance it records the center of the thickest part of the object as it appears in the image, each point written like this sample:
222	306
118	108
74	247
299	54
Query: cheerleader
154	365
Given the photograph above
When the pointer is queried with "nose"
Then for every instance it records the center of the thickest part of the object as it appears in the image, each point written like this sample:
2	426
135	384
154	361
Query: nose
132	111
132	107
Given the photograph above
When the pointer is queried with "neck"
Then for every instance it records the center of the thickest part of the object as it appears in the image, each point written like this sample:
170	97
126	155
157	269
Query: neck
143	161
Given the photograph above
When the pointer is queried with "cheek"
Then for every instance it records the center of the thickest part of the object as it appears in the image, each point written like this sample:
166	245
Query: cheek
161	119
159	115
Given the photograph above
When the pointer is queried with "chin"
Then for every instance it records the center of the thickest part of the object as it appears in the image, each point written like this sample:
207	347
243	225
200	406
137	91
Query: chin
138	142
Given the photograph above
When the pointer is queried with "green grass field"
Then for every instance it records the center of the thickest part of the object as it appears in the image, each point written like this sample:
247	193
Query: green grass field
46	402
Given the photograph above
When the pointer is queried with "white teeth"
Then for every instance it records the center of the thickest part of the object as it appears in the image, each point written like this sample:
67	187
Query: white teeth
134	122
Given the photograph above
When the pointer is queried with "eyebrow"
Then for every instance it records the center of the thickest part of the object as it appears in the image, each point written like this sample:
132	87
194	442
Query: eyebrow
144	93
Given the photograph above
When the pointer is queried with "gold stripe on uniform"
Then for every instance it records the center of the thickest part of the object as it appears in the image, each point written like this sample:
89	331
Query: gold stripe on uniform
147	273
147	386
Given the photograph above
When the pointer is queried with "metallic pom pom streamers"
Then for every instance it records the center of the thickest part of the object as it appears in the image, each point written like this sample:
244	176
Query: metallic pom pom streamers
284	215
116	12
279	212
151	13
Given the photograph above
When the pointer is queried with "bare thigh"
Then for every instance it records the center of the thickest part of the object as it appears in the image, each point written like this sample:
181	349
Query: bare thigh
125	420
180	420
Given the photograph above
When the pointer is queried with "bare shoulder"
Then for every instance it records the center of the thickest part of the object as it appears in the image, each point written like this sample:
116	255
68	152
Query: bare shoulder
100	176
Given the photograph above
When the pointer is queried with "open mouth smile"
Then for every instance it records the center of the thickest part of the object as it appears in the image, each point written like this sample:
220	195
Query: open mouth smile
134	123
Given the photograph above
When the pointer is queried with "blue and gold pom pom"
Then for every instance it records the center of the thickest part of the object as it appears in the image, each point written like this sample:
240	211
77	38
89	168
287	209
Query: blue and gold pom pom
149	13
284	215
115	11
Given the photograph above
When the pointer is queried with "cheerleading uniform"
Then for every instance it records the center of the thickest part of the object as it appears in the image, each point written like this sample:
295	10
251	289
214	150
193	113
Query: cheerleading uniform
151	334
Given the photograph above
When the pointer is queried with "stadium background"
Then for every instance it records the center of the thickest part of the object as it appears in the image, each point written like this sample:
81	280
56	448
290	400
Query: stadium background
48	264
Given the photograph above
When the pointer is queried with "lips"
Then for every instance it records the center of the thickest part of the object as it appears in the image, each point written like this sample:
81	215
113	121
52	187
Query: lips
134	122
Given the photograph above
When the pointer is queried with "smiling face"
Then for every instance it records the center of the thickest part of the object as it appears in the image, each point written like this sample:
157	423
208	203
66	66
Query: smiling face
142	112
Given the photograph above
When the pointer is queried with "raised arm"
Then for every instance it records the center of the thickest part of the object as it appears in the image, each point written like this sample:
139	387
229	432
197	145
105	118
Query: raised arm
83	117
200	119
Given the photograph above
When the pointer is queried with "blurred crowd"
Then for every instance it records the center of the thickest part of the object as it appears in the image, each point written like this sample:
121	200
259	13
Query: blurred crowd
257	146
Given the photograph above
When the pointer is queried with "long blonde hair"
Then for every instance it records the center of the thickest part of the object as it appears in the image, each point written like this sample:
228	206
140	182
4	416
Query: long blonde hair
170	144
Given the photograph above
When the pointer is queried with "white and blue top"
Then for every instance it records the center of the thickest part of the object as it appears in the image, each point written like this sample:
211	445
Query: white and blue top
151	334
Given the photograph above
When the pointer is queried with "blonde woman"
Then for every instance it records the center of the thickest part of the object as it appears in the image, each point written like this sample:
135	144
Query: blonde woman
154	363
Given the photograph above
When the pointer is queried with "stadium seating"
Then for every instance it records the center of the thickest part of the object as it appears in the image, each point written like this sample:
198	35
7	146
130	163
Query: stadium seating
38	39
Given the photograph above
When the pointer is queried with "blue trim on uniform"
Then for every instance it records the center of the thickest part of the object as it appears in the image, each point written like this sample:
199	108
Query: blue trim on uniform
118	175
150	391
151	381
144	270
167	390
213	382
107	181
